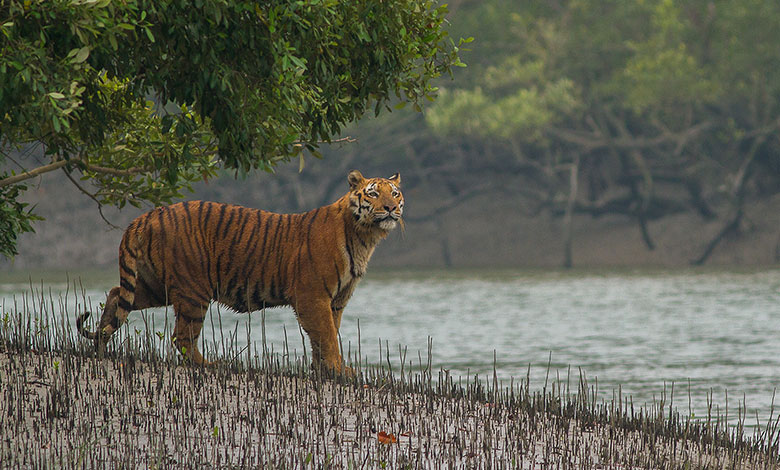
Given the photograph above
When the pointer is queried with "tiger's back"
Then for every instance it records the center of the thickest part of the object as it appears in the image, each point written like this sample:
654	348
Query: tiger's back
212	251
191	253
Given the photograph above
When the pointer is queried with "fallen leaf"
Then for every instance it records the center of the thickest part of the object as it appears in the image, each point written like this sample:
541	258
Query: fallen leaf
385	438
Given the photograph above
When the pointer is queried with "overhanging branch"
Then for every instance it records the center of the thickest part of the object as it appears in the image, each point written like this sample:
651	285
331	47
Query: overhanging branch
33	173
61	163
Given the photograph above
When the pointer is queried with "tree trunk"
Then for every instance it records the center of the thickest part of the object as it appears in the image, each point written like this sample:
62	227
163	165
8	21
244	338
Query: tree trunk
738	195
567	218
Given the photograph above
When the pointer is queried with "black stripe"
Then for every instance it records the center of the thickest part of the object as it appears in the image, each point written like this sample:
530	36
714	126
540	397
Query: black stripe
309	253
226	288
234	242
278	234
362	242
231	285
126	284
311	222
218	287
349	253
125	305
162	221
148	234
272	289
124	268
208	254
239	302
200	303
188	235
256	299
243	220
280	249
224	252
174	218
205	219
229	223
278	219
267	221
270	219
186	206
327	289
338	276
184	281
125	239
222	209
250	255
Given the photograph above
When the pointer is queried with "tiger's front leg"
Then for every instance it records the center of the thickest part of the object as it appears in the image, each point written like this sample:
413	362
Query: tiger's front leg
317	319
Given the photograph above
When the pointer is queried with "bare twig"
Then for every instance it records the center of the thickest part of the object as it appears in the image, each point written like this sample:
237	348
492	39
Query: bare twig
345	140
91	196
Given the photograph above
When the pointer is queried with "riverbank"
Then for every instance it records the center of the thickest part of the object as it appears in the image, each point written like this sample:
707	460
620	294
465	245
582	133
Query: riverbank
63	408
492	227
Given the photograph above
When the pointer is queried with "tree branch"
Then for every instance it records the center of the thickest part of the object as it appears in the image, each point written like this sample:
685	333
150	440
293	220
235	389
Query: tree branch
61	163
738	195
33	173
591	141
112	171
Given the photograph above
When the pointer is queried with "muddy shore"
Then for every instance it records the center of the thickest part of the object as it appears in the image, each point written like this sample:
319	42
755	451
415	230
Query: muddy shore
66	409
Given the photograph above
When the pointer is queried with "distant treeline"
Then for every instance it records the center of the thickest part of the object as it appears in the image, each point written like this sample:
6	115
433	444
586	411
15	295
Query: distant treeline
645	109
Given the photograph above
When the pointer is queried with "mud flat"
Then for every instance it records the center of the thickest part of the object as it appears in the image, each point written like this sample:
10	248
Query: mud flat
60	407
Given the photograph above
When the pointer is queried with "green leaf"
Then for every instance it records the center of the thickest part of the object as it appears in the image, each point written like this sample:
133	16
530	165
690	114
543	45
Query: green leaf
81	55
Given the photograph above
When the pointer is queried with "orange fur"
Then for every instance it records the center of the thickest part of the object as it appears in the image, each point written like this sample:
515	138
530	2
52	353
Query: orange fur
191	253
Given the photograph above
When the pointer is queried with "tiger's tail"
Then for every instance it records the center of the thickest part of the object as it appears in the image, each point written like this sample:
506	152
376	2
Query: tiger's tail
92	335
118	304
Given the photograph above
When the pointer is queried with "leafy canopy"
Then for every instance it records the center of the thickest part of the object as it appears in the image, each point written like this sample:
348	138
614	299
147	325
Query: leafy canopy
240	85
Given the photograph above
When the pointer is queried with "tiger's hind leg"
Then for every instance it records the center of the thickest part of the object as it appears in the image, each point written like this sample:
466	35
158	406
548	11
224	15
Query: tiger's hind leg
189	322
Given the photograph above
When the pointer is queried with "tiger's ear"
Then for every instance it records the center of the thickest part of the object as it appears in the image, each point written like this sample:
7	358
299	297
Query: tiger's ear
396	179
355	178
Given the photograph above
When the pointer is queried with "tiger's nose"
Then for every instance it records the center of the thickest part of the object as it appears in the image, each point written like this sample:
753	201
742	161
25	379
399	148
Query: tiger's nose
390	208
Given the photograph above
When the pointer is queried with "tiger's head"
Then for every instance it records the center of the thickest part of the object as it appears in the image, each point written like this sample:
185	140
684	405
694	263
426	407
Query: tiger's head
376	202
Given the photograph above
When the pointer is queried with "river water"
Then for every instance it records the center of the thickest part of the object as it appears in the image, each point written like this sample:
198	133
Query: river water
713	334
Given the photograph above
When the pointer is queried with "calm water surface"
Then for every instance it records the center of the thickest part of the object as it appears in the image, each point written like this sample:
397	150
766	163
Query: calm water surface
710	332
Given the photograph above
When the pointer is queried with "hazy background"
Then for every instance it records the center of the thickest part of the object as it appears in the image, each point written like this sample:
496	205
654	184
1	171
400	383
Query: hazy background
663	108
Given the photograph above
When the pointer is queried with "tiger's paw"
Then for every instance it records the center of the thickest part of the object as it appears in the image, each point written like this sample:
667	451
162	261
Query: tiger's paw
333	371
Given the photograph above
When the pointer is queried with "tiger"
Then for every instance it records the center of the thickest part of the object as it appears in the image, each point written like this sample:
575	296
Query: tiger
192	253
